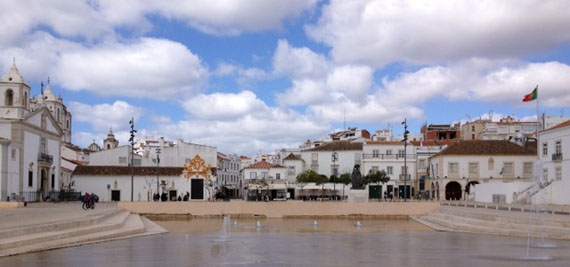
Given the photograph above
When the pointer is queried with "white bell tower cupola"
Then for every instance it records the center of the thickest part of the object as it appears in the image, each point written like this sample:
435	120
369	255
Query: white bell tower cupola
14	95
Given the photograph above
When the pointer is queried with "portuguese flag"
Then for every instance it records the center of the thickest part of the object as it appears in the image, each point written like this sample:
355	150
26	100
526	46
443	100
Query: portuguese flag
532	96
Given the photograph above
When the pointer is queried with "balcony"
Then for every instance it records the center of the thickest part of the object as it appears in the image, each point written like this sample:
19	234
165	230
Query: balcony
46	158
409	177
388	157
557	157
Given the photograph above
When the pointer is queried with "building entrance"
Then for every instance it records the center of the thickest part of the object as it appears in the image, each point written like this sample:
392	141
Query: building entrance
197	189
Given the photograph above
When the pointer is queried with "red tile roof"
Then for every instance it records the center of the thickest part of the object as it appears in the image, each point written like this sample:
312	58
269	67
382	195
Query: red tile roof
488	147
125	170
434	142
263	165
338	146
292	157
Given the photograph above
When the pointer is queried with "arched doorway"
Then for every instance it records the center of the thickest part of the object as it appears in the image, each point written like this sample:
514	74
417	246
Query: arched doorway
453	191
43	184
468	186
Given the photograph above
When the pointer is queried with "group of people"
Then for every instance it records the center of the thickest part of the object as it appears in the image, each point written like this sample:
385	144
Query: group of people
164	197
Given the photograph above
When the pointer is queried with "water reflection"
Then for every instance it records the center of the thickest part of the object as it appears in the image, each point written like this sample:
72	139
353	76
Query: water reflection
298	242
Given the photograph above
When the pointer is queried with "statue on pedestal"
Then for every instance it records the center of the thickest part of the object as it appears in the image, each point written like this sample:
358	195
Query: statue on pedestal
357	182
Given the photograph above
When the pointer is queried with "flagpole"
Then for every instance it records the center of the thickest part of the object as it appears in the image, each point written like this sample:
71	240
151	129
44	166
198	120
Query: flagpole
537	143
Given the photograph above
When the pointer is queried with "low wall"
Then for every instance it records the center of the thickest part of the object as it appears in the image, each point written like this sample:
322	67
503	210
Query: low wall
283	209
10	205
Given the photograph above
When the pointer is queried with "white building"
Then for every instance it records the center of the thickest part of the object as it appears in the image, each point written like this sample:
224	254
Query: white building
555	157
320	159
489	165
228	174
424	151
389	157
263	178
30	143
295	165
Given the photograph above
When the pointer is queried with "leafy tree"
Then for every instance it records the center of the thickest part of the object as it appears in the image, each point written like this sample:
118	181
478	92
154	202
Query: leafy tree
311	176
345	178
376	177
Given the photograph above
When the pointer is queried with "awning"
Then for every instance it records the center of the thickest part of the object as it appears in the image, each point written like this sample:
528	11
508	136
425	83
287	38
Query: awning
231	186
312	187
277	187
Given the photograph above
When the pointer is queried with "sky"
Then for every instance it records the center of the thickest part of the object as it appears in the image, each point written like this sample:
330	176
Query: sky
251	75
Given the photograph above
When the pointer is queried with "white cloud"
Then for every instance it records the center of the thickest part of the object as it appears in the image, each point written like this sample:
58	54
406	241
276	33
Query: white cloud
243	76
225	106
379	32
143	68
104	116
298	62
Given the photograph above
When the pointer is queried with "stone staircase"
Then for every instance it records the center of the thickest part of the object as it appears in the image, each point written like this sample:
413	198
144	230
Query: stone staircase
476	220
109	225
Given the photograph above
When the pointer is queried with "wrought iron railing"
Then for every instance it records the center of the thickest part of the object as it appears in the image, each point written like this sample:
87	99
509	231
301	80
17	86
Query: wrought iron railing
45	158
557	156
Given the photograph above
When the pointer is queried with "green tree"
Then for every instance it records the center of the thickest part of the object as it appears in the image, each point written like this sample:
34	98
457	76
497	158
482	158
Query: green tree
376	177
345	178
311	176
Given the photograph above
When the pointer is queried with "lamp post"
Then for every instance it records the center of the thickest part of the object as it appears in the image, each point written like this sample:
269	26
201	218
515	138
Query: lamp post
132	141
157	169
406	132
334	158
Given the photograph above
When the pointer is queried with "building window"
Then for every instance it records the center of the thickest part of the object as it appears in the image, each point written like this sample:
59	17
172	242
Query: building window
558	147
404	170
472	128
544	149
314	159
30	178
52	181
545	174
401	153
473	136
558	173
422	163
253	175
43	145
491	164
375	153
9	98
278	176
527	168
507	168
13	154
389	170
374	169
474	168
388	152
291	170
264	175
136	162
453	167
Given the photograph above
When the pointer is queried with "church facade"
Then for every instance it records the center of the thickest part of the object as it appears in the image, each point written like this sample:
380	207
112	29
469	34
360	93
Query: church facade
32	131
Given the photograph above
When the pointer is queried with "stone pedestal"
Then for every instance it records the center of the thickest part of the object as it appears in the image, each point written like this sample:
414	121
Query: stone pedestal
358	195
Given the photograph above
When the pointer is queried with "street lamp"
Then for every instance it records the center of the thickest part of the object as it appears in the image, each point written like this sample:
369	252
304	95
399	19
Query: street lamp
334	159
157	169
406	132
132	141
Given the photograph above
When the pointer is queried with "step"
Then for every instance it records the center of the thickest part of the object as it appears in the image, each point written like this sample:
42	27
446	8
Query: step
89	219
509	217
483	227
113	222
133	226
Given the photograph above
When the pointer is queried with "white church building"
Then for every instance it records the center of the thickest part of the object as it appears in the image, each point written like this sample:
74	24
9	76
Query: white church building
32	131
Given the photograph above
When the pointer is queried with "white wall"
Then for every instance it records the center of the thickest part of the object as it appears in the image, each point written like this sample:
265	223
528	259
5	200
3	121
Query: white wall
299	168
143	185
484	192
110	157
556	193
345	162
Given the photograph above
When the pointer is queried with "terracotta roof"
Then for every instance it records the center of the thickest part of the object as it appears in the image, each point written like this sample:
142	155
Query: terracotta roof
434	142
488	147
125	170
561	125
292	157
263	165
387	143
338	146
